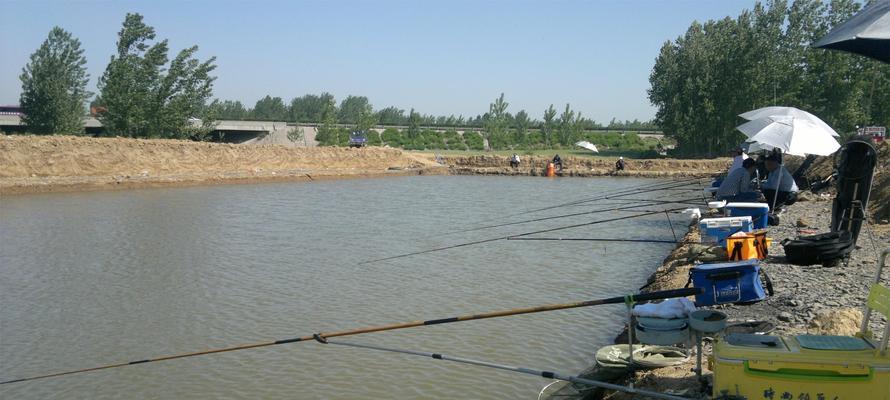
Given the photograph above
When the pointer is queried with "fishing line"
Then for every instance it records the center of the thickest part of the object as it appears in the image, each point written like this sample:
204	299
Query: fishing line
594	240
645	189
641	189
597	211
523	370
514	236
667	294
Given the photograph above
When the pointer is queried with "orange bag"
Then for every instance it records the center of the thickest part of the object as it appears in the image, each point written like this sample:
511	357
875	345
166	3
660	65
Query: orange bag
750	246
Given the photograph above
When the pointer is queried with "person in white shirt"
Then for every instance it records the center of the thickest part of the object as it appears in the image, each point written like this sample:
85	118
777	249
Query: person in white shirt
779	186
514	161
738	155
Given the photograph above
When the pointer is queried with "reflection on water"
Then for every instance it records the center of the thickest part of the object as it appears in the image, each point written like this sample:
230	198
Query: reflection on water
95	278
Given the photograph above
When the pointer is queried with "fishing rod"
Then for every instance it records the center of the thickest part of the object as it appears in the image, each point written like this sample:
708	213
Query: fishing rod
640	189
597	211
666	294
662	186
523	370
602	221
558	239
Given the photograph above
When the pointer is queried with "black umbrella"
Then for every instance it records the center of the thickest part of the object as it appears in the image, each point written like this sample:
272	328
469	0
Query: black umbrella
866	33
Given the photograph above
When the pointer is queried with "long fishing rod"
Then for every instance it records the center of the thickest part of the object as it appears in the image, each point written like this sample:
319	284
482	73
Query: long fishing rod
602	221
641	189
523	370
667	294
559	239
597	211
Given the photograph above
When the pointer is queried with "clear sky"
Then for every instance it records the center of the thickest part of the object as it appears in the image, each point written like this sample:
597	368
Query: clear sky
440	57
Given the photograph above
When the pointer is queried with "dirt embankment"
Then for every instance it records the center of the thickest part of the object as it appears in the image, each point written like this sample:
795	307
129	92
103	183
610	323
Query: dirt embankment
65	163
576	166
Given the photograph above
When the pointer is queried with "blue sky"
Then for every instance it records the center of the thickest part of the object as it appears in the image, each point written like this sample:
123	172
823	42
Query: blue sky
441	57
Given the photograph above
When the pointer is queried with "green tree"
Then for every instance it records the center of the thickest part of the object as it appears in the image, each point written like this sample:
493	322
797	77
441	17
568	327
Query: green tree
366	118
328	131
391	116
228	109
54	86
309	108
144	96
495	125
414	119
549	125
295	134
270	109
520	125
352	107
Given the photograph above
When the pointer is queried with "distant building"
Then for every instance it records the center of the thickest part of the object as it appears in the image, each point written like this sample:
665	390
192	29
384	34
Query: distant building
877	133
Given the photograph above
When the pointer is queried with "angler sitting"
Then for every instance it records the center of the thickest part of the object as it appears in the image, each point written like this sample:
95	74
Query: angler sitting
619	165
514	161
779	187
557	162
736	187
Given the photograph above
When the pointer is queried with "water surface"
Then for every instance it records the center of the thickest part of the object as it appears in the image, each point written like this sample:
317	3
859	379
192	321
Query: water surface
106	277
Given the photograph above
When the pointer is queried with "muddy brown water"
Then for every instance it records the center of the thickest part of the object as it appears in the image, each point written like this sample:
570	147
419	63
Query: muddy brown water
107	277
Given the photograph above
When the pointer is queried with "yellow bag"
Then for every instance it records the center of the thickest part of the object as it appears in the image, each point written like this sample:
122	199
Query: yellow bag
747	247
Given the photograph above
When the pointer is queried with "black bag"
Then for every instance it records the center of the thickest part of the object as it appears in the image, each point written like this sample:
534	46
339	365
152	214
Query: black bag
823	248
854	177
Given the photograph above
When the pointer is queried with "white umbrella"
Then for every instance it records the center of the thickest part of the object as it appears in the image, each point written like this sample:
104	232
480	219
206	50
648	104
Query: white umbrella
792	135
587	145
787	111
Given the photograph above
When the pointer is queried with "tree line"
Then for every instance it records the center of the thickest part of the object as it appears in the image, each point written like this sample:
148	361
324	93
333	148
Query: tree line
311	108
703	79
142	93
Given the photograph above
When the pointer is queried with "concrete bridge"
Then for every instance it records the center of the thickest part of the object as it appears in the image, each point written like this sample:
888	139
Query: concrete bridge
247	132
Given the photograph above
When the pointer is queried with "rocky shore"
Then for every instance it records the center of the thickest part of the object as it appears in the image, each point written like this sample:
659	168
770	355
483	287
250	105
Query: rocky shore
585	167
809	299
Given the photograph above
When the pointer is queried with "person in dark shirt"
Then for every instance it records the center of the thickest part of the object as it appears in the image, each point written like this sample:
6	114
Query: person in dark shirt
557	162
619	165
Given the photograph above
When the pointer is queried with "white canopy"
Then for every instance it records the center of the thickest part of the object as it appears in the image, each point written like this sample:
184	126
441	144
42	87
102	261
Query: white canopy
587	145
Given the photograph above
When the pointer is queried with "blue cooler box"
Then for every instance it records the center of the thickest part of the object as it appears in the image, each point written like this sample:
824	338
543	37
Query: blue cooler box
759	212
716	230
730	282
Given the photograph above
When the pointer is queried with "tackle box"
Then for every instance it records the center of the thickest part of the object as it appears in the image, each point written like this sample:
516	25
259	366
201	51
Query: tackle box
759	213
716	230
727	283
799	367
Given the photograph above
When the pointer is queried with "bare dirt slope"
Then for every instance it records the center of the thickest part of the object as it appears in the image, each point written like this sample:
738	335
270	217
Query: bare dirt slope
43	163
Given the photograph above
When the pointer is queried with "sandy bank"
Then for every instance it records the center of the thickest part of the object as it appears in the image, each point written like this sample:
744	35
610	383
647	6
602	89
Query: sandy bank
31	164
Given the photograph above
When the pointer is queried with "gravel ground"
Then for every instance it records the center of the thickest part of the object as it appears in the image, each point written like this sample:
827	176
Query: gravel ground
807	299
804	292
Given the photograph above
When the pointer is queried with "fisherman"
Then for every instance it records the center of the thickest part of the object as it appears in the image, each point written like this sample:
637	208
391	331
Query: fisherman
737	185
738	155
557	162
779	188
619	165
514	161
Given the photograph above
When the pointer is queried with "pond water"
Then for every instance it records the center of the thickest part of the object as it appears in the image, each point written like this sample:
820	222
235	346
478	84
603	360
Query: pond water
107	277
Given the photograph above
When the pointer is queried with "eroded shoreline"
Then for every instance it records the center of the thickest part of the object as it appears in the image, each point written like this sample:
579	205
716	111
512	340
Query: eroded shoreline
45	164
